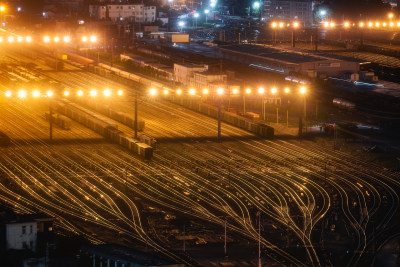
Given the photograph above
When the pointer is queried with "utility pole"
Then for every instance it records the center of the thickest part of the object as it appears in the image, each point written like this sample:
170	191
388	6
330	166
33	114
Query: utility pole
219	120
225	238
50	121
259	239
112	50
184	239
136	115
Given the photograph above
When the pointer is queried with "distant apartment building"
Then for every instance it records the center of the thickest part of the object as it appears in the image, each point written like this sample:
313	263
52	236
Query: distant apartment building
21	235
121	12
183	73
288	11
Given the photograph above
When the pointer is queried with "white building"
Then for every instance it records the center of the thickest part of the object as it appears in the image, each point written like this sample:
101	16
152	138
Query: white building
21	235
183	73
120	12
289	11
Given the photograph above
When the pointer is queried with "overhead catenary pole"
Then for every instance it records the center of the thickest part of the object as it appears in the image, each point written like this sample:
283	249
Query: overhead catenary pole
136	115
259	239
225	237
219	120
50	121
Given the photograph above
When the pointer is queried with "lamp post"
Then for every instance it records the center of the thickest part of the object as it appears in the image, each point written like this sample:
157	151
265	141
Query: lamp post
248	91
181	24
287	91
261	92
220	92
259	239
295	26
206	13
195	15
303	91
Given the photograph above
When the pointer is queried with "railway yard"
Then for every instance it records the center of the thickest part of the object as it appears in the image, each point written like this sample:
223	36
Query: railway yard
317	206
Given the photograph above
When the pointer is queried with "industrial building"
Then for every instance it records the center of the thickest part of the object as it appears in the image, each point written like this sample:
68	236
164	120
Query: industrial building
286	62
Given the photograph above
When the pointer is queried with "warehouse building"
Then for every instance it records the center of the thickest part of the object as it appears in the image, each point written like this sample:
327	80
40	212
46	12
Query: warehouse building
287	62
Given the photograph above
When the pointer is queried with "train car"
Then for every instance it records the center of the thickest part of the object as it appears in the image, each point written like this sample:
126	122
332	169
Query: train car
343	104
55	64
145	151
148	140
5	141
79	59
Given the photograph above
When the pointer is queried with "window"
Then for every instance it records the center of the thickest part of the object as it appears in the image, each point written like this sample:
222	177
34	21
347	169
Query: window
23	229
31	229
31	244
24	245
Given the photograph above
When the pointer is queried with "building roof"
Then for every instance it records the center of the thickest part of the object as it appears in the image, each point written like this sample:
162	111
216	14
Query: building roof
192	66
274	53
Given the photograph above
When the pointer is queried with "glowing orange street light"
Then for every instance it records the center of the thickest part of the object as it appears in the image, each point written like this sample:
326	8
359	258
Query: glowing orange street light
153	92
179	92
287	90
107	92
346	24
273	24
93	92
274	90
120	92
205	91
192	91
220	91
261	90
361	24
166	92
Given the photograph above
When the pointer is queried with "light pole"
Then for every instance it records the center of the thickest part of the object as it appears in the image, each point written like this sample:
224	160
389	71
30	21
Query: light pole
181	24
259	238
303	91
206	13
287	91
261	92
248	91
295	26
256	7
220	92
195	15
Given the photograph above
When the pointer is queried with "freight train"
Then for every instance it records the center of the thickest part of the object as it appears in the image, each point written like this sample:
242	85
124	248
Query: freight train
122	117
343	104
238	121
103	127
228	117
4	140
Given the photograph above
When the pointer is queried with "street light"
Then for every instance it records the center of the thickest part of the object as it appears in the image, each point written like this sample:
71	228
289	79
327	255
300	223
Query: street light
153	92
192	91
220	92
107	92
206	13
247	92
303	91
195	15
181	24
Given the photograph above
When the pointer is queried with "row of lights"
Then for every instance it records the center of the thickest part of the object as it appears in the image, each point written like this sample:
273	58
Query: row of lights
50	93
281	25
19	39
46	39
363	24
67	39
235	91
